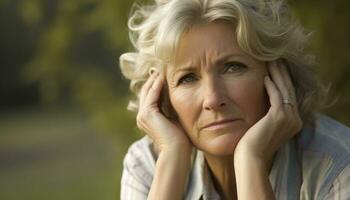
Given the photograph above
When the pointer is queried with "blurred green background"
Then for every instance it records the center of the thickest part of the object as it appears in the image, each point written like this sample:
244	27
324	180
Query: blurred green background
64	128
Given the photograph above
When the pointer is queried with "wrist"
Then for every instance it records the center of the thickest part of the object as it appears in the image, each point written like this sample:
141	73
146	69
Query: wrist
178	149
247	157
250	173
171	174
178	146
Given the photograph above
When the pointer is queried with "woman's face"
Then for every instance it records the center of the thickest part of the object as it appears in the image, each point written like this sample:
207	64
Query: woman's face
216	89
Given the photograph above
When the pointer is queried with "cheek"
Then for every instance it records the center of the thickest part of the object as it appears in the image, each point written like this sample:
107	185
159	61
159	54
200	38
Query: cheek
185	106
250	98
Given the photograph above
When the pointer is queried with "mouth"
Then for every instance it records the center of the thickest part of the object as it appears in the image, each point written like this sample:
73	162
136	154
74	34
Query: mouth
220	124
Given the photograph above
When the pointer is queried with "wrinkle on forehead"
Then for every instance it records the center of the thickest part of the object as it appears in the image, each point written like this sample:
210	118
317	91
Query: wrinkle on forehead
204	44
206	40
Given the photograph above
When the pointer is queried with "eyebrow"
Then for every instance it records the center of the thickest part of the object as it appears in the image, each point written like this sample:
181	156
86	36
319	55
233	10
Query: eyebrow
221	59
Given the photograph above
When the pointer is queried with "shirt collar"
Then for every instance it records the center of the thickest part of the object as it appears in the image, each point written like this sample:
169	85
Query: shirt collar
200	181
285	175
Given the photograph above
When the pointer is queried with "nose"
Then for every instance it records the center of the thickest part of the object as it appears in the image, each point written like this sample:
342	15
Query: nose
214	96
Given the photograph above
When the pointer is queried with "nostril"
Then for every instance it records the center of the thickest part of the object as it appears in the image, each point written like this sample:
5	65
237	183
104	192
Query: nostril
215	106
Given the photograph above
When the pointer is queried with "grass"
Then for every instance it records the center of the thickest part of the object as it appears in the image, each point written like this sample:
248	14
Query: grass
56	155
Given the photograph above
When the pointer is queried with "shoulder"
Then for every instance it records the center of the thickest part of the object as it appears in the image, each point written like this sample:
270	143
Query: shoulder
325	152
141	154
333	129
328	136
139	162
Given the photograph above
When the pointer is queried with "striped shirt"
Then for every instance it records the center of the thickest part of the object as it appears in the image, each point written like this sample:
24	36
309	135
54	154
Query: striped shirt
313	165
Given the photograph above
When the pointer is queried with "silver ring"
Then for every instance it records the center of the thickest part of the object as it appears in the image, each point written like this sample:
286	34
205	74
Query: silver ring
287	101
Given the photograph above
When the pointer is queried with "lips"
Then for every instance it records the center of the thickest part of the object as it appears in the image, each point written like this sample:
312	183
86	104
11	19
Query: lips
219	123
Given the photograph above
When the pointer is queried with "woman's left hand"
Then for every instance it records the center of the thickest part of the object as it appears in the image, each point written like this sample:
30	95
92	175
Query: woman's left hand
281	122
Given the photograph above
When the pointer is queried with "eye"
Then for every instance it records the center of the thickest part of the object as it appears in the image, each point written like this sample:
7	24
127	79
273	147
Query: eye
186	79
234	67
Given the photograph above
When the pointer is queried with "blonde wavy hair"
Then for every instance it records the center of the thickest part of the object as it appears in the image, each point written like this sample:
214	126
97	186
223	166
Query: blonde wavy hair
265	30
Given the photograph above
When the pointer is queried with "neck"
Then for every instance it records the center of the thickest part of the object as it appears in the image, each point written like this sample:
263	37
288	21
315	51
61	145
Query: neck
222	169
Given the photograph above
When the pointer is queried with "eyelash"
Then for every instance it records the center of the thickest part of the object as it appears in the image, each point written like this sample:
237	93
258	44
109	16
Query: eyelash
238	67
183	80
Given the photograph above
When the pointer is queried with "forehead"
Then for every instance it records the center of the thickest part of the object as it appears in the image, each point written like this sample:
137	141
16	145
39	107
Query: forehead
206	42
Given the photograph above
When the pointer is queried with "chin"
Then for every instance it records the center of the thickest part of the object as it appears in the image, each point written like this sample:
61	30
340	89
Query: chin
222	144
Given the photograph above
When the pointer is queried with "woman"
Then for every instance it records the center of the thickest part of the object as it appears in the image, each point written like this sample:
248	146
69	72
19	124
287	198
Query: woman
227	98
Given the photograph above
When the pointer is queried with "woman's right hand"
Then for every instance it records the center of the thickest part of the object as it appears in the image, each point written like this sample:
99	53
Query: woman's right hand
165	134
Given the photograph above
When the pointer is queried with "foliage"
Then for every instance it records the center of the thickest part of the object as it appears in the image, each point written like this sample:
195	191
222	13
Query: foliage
330	22
76	55
79	43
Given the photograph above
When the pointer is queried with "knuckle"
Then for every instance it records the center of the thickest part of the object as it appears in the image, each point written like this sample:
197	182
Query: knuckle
152	88
143	117
140	118
295	125
279	116
138	125
298	125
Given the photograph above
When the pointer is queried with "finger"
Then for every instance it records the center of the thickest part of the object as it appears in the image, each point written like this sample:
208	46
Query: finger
154	92
277	78
290	92
273	93
147	85
288	81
